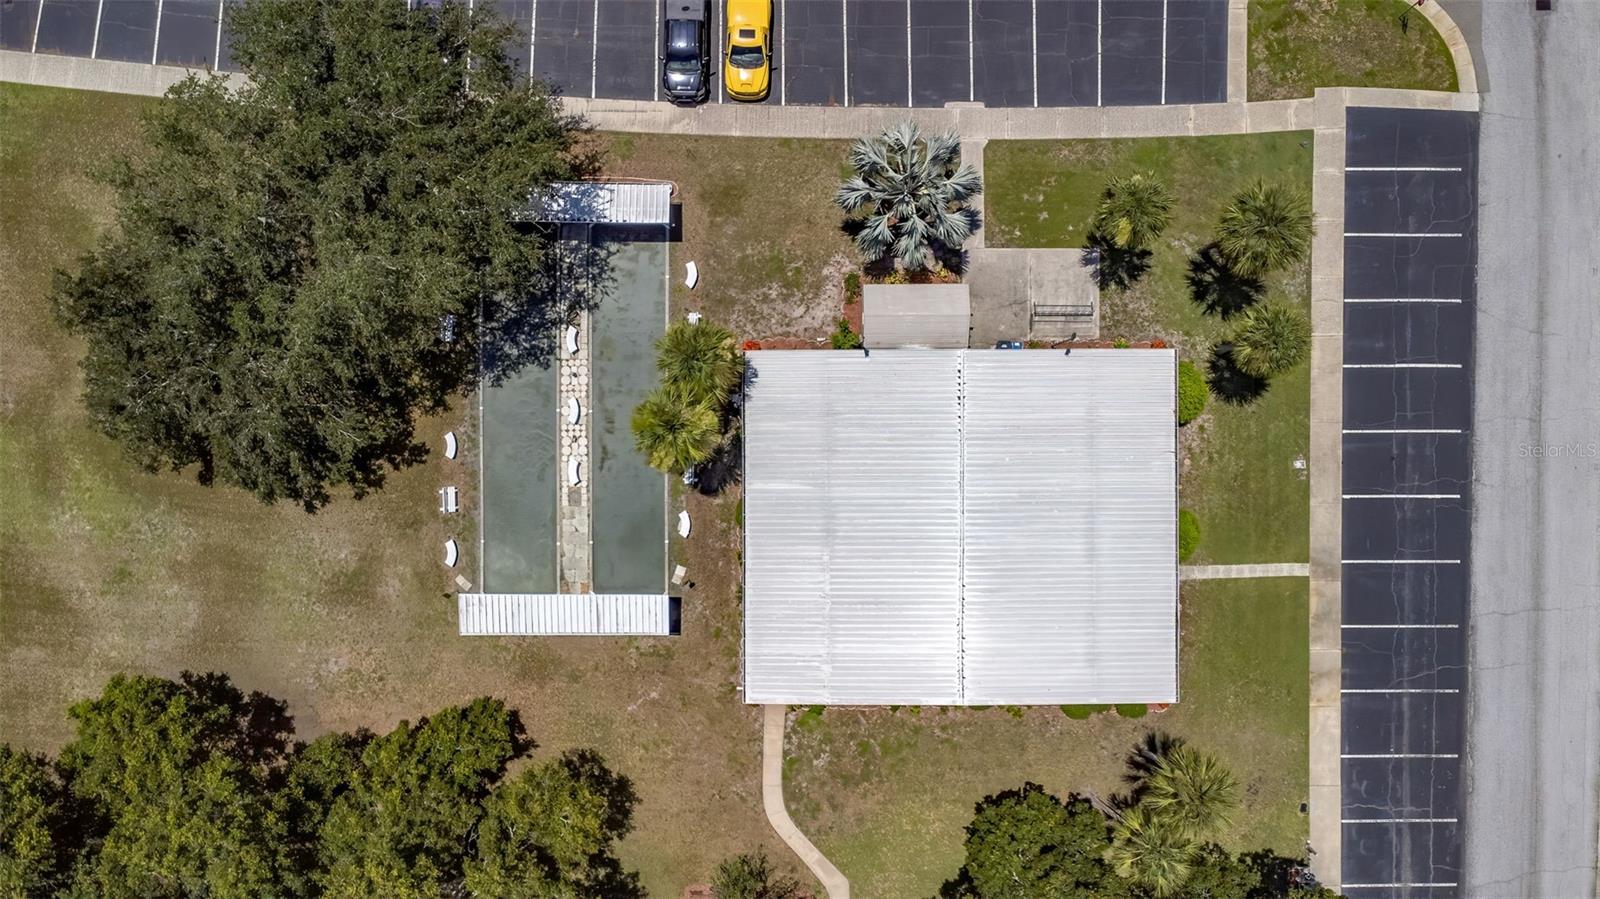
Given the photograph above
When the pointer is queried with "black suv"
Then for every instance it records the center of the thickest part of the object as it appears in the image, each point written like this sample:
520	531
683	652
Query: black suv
686	50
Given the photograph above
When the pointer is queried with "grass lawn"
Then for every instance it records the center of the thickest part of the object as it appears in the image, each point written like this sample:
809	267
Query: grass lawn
1237	467
887	794
1297	46
346	614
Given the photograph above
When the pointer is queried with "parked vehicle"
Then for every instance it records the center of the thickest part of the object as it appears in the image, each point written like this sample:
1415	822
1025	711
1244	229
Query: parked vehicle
748	69
686	50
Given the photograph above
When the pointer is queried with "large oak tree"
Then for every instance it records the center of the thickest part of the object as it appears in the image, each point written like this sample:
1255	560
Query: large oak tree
298	266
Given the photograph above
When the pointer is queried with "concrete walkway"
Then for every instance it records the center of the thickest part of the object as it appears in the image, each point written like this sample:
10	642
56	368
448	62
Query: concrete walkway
772	721
1226	572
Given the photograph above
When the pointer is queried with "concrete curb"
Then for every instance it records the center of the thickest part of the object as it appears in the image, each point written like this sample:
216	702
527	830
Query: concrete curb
1466	72
1327	421
1238	51
772	720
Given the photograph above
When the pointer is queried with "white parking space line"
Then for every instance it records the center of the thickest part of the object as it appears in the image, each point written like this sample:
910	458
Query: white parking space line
1400	627
722	45
1395	886
972	85
655	64
1455	301
844	25
99	10
1164	52
1401	562
783	52
155	50
1400	755
37	18
1399	234
216	56
908	54
1404	690
1035	39
1402	365
1398	821
1099	49
594	49
1402	168
1402	430
1401	496
533	44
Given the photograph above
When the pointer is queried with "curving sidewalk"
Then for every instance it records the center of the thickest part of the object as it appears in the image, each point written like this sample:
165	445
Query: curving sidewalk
772	722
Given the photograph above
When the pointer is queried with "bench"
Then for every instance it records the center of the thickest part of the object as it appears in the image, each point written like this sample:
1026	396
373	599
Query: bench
1063	311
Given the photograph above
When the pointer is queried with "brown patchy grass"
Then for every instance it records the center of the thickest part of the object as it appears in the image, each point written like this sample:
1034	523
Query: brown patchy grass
1297	46
887	793
346	614
758	220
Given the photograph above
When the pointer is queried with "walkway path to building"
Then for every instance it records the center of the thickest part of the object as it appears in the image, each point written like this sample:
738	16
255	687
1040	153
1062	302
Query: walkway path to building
772	722
1324	114
1224	572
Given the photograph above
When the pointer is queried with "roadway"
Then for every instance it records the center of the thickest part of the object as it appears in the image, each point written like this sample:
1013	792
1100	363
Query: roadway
1533	723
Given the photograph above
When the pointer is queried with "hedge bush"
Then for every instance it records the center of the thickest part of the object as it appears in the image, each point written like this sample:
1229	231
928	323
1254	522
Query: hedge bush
1132	711
1080	712
1188	534
1192	392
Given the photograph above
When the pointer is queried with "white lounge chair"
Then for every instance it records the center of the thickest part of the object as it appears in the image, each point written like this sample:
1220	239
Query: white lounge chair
449	444
452	552
449	500
574	411
572	340
691	275
683	523
573	474
693	318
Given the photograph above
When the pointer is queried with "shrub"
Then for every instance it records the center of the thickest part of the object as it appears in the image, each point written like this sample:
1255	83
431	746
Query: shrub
1188	534
1192	392
1270	339
1266	228
844	338
1133	210
1121	343
1080	712
852	287
1133	710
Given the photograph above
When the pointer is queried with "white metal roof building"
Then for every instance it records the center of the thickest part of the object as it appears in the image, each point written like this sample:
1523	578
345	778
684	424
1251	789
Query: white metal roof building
604	203
960	527
566	614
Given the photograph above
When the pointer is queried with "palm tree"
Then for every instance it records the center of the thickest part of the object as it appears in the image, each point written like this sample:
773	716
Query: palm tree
1267	227
1270	338
1191	790
912	192
1134	210
1150	851
675	431
702	360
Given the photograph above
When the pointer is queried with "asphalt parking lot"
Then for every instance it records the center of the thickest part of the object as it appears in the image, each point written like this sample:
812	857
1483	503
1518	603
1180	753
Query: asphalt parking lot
825	53
1410	251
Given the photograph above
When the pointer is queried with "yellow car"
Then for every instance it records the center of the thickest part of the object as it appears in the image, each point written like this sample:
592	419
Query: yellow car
747	71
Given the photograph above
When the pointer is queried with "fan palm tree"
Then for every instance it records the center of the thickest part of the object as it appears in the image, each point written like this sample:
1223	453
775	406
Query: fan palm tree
1191	790
1134	210
1150	851
674	430
701	360
1267	227
912	192
1270	338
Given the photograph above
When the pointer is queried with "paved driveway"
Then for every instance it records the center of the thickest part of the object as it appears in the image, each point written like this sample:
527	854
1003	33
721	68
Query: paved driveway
1533	725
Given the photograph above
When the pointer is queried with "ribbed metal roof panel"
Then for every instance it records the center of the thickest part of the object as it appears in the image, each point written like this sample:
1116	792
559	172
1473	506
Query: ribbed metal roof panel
561	614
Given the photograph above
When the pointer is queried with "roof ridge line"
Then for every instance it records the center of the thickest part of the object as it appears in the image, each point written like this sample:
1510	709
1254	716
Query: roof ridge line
961	526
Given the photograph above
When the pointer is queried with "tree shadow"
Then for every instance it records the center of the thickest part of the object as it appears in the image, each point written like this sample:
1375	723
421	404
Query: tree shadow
1114	266
1217	288
1146	756
1228	383
575	272
725	468
259	731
